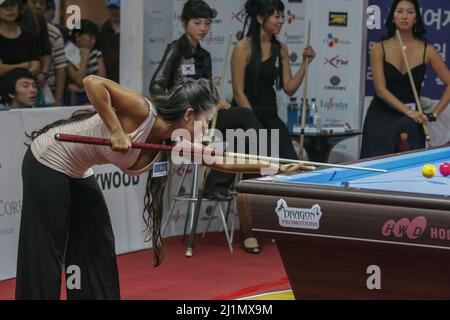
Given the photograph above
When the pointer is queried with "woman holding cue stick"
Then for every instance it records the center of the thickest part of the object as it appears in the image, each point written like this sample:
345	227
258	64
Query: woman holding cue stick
65	219
394	121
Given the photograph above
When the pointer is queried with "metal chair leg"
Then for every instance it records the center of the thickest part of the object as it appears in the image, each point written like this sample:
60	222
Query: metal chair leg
175	199
211	216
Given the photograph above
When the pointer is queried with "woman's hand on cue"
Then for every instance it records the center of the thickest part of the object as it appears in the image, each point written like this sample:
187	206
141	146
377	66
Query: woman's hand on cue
120	141
223	105
294	167
309	53
418	117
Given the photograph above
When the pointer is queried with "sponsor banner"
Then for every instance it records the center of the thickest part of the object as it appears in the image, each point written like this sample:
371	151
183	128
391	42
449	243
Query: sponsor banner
336	76
11	139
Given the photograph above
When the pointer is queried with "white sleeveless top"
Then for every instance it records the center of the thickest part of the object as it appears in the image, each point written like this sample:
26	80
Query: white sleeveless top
76	160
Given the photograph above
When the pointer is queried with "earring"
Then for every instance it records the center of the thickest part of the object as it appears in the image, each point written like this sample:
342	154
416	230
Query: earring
262	32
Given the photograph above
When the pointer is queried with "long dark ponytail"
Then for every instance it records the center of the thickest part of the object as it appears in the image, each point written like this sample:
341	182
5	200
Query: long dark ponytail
79	115
200	95
263	8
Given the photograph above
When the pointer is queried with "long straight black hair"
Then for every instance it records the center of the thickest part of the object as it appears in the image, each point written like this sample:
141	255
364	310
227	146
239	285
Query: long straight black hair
419	30
263	8
200	95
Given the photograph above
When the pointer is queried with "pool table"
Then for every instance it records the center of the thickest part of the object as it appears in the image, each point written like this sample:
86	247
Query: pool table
346	234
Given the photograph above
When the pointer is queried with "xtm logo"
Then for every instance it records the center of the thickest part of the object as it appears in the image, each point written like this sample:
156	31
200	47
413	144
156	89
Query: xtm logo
291	17
239	16
336	62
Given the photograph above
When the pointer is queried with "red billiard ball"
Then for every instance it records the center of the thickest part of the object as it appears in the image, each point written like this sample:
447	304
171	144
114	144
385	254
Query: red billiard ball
445	169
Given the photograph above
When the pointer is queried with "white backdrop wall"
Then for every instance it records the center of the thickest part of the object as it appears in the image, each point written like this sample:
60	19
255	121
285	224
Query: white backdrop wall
340	57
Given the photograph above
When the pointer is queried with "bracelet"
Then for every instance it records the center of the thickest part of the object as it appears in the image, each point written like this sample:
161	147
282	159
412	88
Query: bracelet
409	112
431	116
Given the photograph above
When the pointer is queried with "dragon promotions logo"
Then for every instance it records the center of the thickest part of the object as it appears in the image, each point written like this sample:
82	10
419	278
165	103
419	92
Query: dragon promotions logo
301	218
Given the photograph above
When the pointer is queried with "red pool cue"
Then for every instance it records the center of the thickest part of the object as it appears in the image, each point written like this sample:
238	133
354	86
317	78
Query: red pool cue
149	146
107	142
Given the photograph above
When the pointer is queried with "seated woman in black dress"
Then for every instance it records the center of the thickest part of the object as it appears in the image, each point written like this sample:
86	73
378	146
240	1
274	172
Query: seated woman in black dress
393	124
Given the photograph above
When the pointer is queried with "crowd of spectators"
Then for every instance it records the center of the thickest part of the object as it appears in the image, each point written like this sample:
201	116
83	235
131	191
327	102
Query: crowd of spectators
42	64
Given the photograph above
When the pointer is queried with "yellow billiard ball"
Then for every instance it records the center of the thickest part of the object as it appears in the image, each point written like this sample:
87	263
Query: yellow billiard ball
428	171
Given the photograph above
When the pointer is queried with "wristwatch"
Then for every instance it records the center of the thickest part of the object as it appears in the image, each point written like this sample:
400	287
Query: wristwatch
432	117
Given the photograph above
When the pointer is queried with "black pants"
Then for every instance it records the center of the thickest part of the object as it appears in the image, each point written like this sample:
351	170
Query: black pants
243	118
65	222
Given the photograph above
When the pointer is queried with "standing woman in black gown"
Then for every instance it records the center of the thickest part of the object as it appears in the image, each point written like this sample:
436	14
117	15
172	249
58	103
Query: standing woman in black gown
267	65
393	124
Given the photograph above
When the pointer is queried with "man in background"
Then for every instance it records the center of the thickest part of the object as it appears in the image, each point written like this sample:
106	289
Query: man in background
18	90
109	40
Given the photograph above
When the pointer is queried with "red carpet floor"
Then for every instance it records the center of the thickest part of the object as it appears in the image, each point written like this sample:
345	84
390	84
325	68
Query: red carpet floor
212	273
